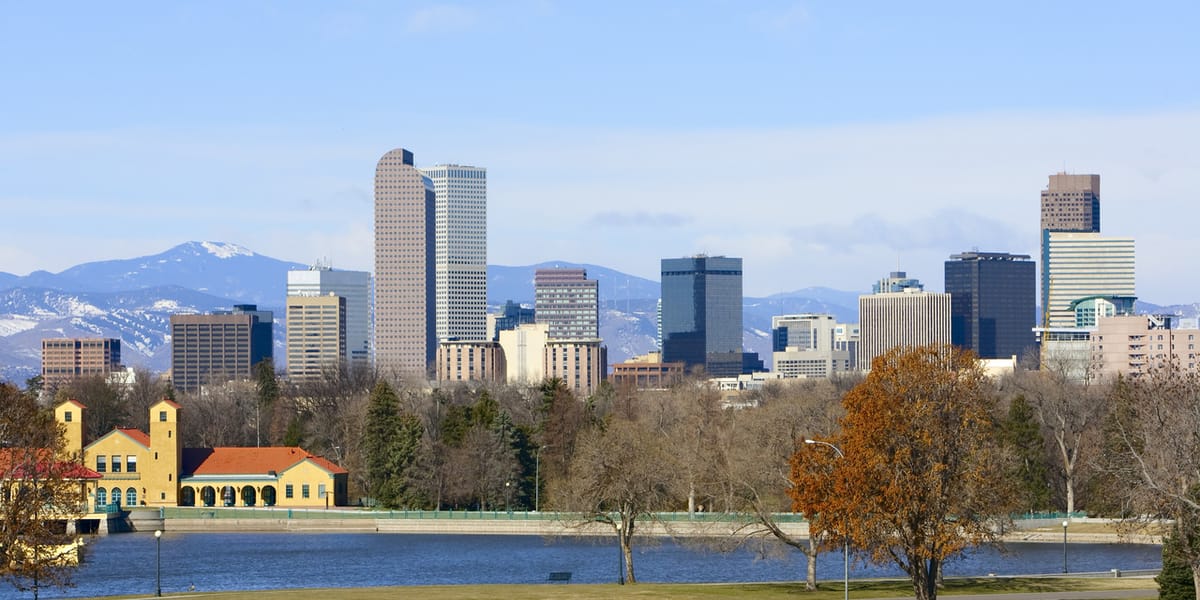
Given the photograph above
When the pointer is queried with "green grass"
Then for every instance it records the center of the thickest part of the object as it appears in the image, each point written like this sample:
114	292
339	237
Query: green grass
792	591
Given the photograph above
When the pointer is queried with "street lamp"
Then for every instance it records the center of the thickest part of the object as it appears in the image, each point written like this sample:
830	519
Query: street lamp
508	497
158	563
846	540
1065	523
537	477
620	556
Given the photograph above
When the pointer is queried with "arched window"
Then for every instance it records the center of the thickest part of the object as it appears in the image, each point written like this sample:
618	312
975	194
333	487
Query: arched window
131	497
101	496
116	496
208	495
187	496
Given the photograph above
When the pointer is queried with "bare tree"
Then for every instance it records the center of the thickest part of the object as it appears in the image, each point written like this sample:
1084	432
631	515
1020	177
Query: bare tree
1156	453
621	476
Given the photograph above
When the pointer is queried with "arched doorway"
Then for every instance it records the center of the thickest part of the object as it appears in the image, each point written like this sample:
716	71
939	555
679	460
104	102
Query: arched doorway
208	495
187	496
268	495
228	496
249	496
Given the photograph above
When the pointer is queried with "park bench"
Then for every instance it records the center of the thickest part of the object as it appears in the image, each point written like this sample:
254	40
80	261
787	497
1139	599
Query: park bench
559	577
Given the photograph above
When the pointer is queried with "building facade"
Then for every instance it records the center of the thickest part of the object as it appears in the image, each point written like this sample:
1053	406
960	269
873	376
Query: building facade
1078	265
647	372
137	468
524	350
909	318
405	332
992	303
219	347
1132	345
568	303
316	336
510	316
805	346
481	361
581	364
460	251
64	359
355	287
1071	203
701	316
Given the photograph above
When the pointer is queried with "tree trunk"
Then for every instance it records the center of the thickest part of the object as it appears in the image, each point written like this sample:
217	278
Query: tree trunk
1196	579
810	582
924	579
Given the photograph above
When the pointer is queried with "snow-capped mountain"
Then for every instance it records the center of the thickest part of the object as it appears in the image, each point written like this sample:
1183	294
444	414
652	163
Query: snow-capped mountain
216	268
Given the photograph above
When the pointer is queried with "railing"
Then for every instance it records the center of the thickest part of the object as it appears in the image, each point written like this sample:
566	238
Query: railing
197	512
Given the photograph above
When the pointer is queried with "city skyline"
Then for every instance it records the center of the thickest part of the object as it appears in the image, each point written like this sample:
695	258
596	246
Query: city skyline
903	135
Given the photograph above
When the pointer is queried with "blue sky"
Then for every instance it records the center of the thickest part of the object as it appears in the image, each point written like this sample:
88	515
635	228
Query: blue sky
824	142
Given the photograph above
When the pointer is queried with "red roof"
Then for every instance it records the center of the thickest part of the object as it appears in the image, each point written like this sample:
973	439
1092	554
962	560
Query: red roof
169	402
12	462
138	435
72	401
248	461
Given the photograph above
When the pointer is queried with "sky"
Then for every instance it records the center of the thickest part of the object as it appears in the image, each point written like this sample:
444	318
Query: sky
826	143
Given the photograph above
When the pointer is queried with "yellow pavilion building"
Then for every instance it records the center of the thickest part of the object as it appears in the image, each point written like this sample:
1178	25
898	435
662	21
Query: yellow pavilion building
154	469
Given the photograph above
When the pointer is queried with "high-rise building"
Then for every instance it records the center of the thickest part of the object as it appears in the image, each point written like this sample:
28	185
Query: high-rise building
1071	203
992	303
460	251
1079	265
355	287
702	313
804	346
896	281
479	360
316	335
220	347
64	359
568	303
511	316
912	317
1132	345
405	332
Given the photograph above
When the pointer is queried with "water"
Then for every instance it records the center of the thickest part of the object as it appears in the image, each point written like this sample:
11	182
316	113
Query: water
125	563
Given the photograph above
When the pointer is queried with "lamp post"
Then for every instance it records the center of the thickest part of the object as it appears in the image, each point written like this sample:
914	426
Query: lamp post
846	540
620	557
537	477
1065	523
508	497
158	563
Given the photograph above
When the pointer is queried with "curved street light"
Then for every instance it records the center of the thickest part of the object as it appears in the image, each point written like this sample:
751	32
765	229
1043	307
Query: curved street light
846	540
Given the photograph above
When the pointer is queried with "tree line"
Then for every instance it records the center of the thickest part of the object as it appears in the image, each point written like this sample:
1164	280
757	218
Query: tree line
931	455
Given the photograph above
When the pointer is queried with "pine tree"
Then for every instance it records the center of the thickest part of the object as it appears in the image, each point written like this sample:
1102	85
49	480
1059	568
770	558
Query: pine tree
391	442
1023	437
1175	581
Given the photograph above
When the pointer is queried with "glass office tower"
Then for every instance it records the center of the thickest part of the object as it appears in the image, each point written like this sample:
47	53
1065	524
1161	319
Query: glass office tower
991	302
702	313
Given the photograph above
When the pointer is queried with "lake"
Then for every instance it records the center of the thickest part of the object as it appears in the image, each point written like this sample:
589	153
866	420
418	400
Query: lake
125	563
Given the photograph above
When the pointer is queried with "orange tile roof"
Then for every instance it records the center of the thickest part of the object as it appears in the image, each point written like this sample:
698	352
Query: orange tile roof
248	461
169	402
72	401
138	435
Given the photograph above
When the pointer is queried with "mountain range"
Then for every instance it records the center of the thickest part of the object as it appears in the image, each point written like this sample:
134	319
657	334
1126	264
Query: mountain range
133	299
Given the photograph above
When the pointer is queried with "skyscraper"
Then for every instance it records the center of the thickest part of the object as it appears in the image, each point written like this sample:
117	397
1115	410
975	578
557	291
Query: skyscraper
702	313
223	346
405	333
64	359
1071	203
316	335
1079	265
992	302
460	251
568	303
804	346
910	317
355	287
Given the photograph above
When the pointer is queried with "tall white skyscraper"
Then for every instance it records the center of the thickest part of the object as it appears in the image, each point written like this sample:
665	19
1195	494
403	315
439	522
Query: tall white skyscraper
1079	265
909	318
355	287
460	251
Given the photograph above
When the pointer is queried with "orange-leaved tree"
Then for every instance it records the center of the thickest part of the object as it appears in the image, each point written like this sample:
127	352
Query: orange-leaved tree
917	476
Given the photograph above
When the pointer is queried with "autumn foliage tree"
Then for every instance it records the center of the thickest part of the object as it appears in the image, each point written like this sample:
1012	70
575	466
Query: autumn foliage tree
920	478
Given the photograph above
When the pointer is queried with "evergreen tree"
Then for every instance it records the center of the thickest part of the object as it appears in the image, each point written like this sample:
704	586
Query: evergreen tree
391	442
1023	437
1175	581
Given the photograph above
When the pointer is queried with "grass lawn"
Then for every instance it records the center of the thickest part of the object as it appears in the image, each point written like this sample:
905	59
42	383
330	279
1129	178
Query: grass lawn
792	591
